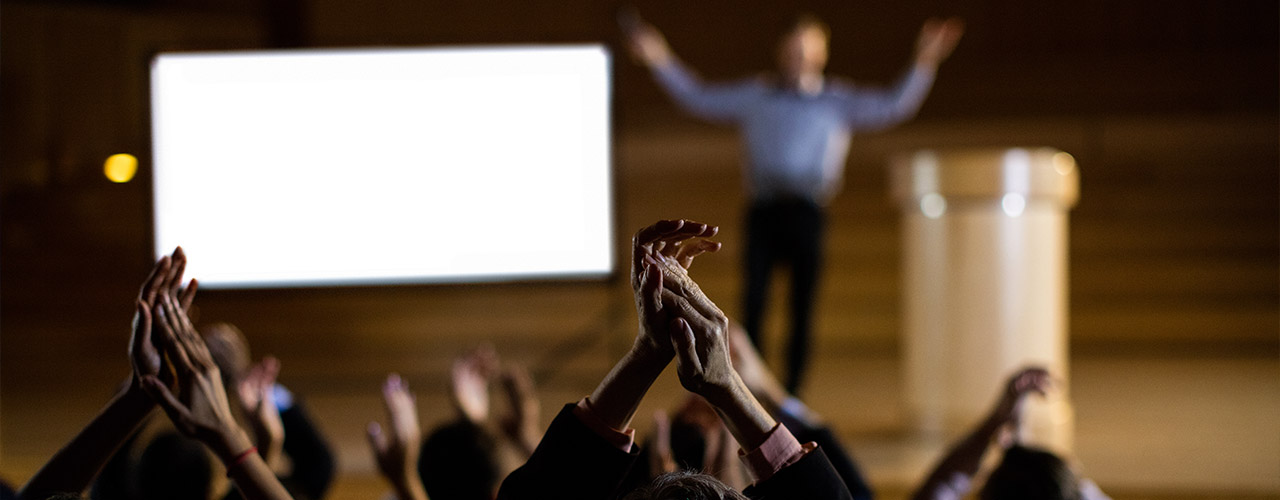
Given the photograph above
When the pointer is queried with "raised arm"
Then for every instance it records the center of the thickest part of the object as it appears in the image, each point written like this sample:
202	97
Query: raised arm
780	465
589	447
953	476
396	452
73	468
713	102
869	110
198	405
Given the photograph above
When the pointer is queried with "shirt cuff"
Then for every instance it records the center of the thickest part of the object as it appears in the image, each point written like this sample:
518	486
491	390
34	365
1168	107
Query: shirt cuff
780	449
621	439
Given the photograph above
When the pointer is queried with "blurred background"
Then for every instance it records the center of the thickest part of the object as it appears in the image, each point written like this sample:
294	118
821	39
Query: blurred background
1169	107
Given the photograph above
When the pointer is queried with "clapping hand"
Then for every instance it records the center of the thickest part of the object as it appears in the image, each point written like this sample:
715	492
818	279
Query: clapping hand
165	278
661	253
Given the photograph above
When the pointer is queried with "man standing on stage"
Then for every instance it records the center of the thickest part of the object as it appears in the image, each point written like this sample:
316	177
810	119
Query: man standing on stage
797	125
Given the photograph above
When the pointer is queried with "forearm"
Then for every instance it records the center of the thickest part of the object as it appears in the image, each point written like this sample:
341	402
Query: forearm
618	396
961	462
73	468
744	416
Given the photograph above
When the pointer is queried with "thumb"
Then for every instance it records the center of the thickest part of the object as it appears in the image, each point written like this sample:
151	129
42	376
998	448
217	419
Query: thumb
141	326
687	362
377	440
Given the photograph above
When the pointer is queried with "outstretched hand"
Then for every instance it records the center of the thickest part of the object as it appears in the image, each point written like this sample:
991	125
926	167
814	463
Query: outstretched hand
396	452
660	255
646	43
521	424
471	374
257	394
937	39
1024	382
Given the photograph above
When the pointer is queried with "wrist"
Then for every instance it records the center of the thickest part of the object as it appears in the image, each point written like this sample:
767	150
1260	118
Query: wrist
646	352
230	444
135	396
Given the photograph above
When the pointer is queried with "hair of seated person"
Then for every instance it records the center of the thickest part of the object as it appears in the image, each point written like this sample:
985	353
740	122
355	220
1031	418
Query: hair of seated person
686	485
459	461
174	466
230	350
1031	473
65	496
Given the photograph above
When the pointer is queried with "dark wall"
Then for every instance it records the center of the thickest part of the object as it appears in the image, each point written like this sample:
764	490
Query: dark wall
1170	106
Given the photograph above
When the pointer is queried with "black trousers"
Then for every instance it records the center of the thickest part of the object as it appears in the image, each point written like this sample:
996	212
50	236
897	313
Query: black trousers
784	232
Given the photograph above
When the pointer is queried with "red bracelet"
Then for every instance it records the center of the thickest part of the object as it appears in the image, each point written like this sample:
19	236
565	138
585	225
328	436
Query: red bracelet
244	455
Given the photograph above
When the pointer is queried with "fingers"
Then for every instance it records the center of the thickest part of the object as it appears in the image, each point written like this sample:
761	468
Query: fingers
189	294
686	253
653	232
155	280
173	281
953	27
141	328
651	292
688	364
695	307
170	341
192	342
667	231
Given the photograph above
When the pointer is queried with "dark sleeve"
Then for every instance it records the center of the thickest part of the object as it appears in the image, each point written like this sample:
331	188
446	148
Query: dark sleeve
836	453
570	463
306	447
115	482
839	457
812	478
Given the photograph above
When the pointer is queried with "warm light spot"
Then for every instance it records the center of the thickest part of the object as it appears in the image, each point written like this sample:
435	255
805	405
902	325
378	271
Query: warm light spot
933	205
1063	162
1013	204
120	167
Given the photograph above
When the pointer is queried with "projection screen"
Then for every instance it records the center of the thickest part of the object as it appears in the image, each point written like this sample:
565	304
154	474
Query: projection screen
357	167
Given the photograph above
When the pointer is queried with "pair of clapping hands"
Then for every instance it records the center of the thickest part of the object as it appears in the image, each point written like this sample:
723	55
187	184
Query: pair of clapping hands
171	361
173	365
676	318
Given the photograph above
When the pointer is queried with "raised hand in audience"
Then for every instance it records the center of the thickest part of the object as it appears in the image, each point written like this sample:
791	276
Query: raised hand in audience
953	476
198	405
396	450
470	378
521	425
73	468
257	394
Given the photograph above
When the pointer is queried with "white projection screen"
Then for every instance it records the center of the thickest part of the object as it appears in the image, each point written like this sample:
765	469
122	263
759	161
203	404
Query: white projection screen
362	167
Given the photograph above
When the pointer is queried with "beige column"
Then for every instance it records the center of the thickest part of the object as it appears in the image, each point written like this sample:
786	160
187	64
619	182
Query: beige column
984	268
